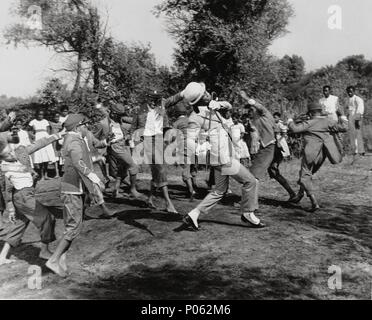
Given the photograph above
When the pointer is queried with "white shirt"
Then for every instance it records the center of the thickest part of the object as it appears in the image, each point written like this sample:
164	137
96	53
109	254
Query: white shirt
20	180
63	119
154	123
116	130
356	106
330	106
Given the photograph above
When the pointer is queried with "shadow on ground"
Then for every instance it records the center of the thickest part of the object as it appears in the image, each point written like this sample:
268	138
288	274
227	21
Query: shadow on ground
201	280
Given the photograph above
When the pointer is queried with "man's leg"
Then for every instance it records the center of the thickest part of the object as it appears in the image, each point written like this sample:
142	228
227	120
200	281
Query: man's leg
262	161
159	180
12	236
73	219
26	205
187	179
360	142
306	177
126	159
249	202
352	136
45	222
222	185
274	173
2	207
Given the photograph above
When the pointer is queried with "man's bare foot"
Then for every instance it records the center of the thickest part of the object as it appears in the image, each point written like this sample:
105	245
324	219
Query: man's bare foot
138	196
45	254
56	268
47	178
151	205
6	261
171	209
107	213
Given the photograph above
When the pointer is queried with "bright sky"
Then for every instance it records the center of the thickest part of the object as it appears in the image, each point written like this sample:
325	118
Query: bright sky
23	71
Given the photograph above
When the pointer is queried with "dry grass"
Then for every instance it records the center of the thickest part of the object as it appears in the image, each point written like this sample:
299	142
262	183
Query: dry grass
139	255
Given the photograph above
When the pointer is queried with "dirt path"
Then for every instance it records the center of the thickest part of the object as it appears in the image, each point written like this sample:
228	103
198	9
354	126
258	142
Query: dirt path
139	255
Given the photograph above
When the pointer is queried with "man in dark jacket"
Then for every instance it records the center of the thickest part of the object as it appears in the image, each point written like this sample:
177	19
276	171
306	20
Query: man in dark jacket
118	152
320	144
78	173
268	157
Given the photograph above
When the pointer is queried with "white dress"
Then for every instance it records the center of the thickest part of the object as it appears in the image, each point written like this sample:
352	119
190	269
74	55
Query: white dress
47	153
241	147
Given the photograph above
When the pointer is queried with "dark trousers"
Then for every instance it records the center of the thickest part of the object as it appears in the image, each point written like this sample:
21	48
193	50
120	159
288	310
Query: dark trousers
29	210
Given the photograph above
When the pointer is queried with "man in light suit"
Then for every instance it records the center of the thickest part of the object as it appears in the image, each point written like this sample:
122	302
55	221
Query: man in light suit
209	115
319	144
355	112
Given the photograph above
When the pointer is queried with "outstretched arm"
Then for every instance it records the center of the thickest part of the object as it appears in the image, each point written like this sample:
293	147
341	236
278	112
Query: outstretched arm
298	127
41	143
171	101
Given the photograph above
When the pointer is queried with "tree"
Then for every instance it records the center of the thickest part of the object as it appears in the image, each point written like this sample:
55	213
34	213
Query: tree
70	27
224	42
128	72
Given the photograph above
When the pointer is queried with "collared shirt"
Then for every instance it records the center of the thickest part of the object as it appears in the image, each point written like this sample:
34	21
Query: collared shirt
154	123
330	106
116	130
20	180
356	106
63	119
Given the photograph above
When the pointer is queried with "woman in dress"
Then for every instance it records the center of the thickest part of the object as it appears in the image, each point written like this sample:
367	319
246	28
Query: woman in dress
41	129
56	126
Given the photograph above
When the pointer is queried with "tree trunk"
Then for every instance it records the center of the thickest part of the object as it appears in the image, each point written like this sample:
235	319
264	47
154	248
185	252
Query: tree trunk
96	79
78	75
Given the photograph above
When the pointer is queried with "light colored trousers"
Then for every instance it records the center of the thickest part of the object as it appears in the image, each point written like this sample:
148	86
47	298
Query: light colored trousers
249	183
356	137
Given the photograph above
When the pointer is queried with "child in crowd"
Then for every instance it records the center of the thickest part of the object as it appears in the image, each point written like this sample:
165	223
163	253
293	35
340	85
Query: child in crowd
57	126
238	134
41	158
281	131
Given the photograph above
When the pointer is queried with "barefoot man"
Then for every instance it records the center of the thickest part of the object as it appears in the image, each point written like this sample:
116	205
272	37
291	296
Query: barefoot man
78	173
22	206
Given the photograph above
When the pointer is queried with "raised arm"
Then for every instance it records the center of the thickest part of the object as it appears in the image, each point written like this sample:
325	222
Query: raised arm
43	142
171	101
298	127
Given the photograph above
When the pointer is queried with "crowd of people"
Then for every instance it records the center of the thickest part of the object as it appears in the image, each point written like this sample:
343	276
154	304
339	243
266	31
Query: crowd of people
93	159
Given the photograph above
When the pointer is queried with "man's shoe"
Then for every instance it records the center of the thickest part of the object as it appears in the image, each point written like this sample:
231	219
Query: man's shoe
297	198
190	223
258	225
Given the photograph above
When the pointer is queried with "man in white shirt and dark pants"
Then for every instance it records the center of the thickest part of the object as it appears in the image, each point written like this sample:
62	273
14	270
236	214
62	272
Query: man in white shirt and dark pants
355	112
330	104
152	119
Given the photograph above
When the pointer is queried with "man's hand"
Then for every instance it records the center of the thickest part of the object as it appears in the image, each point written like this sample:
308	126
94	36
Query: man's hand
94	178
243	95
214	105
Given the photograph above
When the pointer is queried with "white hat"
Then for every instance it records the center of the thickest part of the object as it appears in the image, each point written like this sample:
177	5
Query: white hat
193	92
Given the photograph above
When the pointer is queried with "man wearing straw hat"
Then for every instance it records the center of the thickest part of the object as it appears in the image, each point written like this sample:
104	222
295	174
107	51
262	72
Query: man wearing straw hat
208	115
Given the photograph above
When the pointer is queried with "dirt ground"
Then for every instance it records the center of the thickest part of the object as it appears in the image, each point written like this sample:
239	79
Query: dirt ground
142	255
